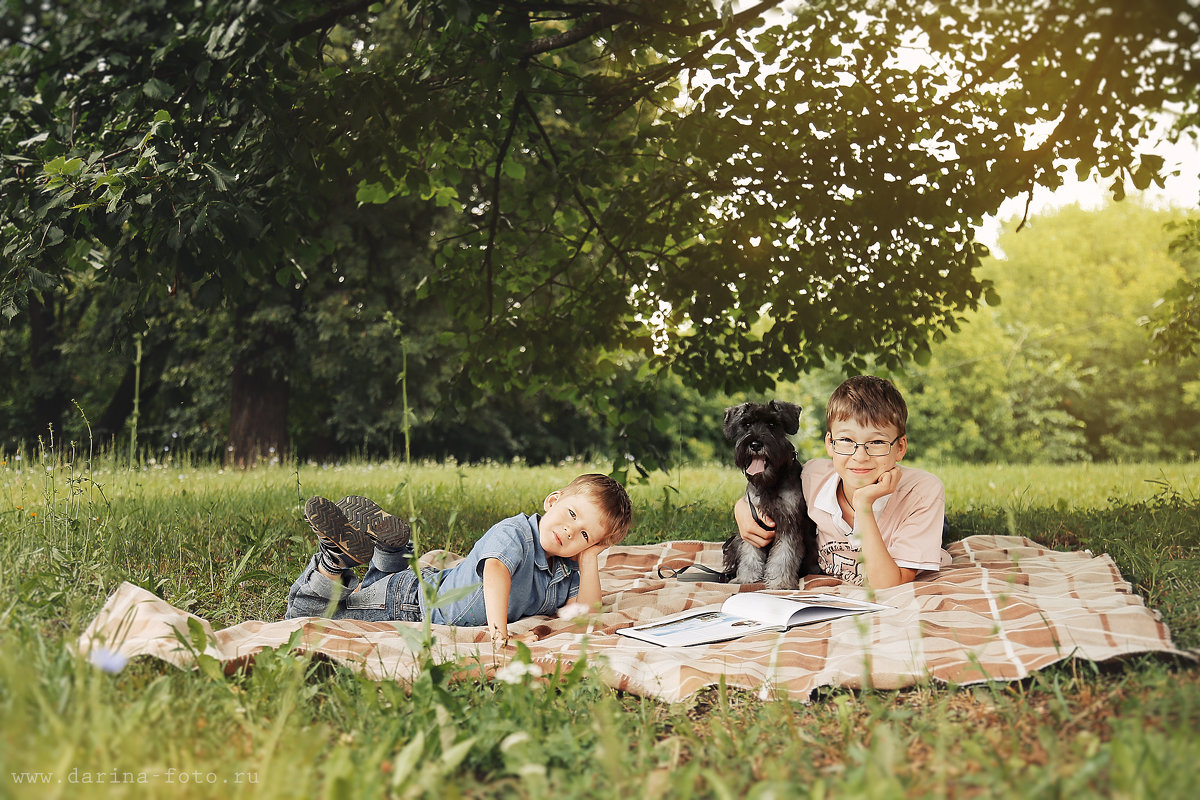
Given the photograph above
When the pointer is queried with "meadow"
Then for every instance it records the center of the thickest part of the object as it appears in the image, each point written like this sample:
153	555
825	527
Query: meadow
225	544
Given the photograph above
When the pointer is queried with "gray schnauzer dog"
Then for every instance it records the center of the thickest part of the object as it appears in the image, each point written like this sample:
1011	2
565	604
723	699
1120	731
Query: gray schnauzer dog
763	452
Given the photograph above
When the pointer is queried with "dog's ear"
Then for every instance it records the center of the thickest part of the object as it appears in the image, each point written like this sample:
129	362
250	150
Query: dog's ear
789	413
731	417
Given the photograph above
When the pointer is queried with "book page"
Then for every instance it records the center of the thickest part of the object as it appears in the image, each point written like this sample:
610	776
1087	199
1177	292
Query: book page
744	614
695	627
798	609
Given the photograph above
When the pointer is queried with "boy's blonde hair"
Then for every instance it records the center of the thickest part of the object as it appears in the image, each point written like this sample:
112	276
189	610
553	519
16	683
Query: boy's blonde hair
867	400
615	509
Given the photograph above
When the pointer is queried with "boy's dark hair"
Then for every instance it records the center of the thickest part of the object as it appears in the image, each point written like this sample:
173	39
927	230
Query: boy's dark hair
867	399
615	509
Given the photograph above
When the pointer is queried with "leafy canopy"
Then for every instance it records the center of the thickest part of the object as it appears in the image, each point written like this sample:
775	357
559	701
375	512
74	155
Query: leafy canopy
739	194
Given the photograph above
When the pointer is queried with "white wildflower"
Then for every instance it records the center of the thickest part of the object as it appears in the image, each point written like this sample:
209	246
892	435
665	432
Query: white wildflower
515	671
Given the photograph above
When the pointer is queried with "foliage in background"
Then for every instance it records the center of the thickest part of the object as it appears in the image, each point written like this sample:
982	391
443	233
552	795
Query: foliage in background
1175	323
1055	372
582	210
1059	370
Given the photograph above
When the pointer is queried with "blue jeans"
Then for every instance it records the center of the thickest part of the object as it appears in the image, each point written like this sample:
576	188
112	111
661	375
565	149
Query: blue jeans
389	591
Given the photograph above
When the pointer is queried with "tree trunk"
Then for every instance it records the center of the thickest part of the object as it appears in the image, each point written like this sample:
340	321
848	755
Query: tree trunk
259	390
45	363
258	415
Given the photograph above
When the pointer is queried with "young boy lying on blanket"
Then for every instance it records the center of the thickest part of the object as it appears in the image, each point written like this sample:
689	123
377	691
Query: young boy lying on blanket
876	521
525	565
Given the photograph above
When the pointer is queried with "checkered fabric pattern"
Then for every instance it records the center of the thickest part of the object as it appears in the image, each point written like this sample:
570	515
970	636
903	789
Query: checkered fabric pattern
1004	608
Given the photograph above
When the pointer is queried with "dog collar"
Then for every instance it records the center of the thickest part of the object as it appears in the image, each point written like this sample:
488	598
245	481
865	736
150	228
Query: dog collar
754	513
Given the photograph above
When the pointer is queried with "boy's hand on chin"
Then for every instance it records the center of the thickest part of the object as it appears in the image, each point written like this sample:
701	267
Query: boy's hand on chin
884	485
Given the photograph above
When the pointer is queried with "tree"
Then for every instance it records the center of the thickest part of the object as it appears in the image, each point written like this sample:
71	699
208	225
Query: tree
1059	370
1175	324
733	195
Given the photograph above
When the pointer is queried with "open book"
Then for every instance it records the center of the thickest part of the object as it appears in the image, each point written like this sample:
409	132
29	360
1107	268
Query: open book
746	613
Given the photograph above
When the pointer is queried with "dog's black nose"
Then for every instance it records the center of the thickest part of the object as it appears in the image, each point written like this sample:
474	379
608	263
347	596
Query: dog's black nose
755	446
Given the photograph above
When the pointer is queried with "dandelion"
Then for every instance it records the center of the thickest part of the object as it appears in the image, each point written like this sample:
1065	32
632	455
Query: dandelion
33	513
107	660
515	671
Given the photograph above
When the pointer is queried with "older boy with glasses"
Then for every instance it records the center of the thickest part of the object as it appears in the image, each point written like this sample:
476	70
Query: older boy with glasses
877	523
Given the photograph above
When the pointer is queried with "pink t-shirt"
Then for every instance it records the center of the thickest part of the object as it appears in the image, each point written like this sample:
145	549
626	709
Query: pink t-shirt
910	519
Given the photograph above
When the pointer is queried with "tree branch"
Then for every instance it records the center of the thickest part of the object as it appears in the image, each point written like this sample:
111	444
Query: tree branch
327	20
620	13
494	223
607	16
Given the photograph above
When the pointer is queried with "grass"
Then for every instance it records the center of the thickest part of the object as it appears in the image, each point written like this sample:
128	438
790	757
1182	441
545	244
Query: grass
226	545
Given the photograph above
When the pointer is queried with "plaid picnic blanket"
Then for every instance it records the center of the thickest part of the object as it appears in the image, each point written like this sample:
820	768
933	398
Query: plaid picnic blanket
1005	607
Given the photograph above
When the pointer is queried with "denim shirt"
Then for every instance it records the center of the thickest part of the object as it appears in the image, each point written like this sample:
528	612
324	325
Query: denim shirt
538	587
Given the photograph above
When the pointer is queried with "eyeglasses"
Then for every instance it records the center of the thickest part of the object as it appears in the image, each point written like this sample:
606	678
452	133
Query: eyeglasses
874	448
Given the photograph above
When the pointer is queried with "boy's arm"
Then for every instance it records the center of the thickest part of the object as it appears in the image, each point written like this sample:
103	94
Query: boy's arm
882	571
497	583
589	577
748	527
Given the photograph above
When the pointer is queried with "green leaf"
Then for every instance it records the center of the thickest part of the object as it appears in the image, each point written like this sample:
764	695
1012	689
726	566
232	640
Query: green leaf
513	169
221	178
1118	190
196	635
157	89
63	166
445	196
39	280
372	193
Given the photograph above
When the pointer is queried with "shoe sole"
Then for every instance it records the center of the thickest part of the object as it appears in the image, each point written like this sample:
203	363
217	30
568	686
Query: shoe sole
367	517
333	528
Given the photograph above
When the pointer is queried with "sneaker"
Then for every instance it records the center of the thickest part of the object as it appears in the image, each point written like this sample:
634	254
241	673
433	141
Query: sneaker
387	530
341	545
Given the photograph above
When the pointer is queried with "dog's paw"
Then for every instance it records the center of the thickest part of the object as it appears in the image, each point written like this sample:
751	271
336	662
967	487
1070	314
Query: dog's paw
782	584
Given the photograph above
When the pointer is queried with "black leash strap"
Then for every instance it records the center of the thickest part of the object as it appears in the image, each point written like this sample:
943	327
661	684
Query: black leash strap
693	572
754	513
